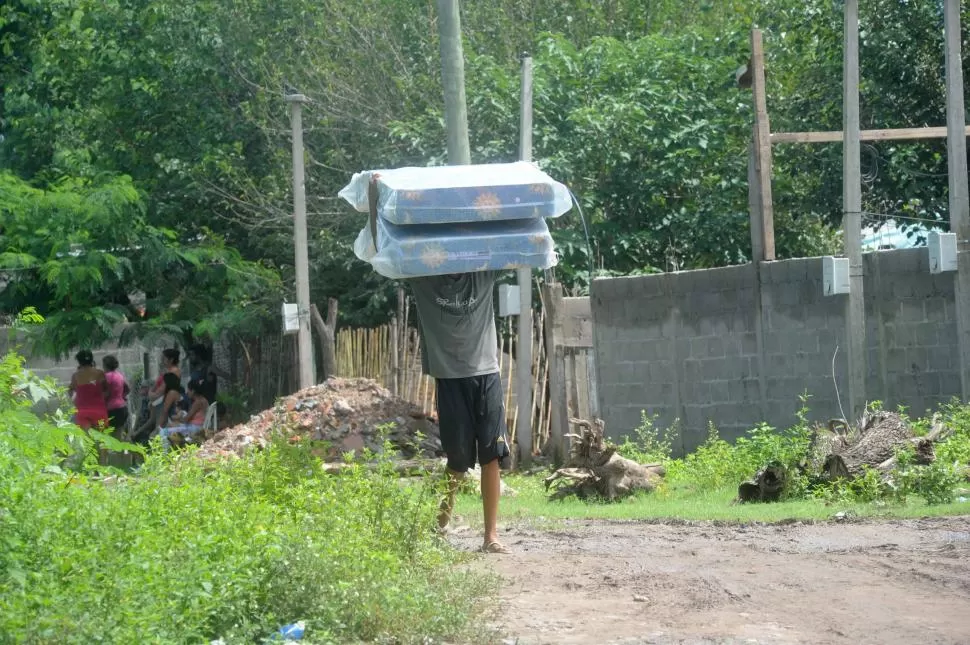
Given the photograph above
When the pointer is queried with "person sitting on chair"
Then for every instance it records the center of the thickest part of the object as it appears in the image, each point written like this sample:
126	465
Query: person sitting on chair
189	423
170	365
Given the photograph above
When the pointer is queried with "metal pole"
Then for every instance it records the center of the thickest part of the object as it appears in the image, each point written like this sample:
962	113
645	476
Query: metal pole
453	81
956	148
852	217
523	375
302	264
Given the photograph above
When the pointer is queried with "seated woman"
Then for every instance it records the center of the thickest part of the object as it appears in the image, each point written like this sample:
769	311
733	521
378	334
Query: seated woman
166	408
170	365
190	422
90	389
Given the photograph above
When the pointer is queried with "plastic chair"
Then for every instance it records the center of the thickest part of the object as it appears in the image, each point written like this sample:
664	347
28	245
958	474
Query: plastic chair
211	421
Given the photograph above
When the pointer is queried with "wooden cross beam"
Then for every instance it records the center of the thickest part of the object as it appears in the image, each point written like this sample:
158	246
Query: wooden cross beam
896	134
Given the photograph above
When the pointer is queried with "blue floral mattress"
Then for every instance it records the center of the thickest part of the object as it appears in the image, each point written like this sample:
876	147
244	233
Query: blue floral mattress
454	194
438	249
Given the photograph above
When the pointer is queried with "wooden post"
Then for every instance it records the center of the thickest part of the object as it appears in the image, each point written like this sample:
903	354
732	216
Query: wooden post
453	80
956	149
762	147
852	218
558	416
754	206
395	357
523	375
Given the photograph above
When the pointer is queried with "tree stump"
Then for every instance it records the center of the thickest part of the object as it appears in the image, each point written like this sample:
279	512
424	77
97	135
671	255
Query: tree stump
594	469
767	485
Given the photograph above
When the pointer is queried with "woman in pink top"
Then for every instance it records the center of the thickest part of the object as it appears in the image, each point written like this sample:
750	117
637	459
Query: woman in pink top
118	389
89	388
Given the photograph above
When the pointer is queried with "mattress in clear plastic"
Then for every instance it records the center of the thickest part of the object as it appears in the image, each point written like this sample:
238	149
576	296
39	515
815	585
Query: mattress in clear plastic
453	194
437	249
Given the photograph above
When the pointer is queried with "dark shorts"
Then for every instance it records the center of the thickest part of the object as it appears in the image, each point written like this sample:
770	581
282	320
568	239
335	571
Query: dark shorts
471	416
118	418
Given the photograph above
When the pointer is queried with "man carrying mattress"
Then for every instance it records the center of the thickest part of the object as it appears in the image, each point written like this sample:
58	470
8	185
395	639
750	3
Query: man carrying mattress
449	232
460	351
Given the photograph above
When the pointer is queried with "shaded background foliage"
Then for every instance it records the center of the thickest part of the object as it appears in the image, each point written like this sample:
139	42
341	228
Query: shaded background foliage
636	109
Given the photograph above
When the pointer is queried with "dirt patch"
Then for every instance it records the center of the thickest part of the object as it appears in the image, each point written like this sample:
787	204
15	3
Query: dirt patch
345	413
633	583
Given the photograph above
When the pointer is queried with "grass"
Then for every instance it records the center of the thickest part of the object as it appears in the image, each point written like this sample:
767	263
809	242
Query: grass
531	505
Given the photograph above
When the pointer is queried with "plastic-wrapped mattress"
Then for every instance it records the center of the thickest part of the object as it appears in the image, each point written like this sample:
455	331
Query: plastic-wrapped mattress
451	194
438	249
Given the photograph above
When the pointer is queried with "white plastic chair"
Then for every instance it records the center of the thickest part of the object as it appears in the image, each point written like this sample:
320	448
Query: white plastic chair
132	417
211	421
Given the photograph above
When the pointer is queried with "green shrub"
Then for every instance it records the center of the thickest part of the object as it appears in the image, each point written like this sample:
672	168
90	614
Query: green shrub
649	445
717	464
190	551
868	487
956	448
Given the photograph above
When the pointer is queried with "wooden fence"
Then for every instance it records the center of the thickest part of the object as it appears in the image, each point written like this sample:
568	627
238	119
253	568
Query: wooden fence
563	387
370	353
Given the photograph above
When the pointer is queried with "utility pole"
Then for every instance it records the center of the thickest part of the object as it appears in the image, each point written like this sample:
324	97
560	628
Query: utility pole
302	263
956	149
523	375
852	214
453	81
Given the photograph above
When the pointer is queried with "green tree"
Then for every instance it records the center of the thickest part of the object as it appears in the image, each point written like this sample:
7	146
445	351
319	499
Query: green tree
81	252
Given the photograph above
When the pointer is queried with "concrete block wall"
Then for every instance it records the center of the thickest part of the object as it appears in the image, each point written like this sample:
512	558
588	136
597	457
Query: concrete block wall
802	329
737	347
680	346
913	353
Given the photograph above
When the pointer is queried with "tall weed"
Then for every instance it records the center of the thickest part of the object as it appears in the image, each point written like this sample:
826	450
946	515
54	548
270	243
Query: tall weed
188	551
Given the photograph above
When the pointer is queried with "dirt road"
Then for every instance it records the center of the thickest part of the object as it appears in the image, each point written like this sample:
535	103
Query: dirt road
885	583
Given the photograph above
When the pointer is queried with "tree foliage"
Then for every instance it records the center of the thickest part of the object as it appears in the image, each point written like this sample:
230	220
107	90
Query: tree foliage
637	110
82	254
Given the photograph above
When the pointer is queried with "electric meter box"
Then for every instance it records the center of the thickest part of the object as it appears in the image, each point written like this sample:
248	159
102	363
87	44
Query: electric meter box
291	318
835	275
508	300
943	251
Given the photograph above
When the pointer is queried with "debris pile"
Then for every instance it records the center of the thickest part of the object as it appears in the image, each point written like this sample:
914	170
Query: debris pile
344	414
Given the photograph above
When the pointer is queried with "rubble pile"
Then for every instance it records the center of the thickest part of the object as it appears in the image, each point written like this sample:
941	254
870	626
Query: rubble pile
345	413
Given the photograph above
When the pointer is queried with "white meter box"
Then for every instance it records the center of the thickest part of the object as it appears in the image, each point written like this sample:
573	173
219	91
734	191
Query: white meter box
291	318
835	275
942	249
508	300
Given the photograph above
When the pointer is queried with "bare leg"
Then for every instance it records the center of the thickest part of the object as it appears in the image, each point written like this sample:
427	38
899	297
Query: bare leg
448	503
491	491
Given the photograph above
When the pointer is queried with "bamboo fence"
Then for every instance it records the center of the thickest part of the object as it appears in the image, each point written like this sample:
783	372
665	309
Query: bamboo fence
391	355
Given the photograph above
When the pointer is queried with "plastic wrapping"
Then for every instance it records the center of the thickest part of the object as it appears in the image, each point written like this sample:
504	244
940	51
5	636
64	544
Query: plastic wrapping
438	249
456	194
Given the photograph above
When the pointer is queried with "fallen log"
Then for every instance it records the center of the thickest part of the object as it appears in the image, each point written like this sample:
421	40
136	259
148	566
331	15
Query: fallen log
594	469
876	443
767	485
879	435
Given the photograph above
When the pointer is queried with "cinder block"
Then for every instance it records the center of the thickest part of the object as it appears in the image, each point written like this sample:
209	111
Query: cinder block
935	309
749	344
715	347
720	391
911	310
916	358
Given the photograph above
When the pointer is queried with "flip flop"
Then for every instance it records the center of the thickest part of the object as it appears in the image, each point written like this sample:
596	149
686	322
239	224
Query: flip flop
495	547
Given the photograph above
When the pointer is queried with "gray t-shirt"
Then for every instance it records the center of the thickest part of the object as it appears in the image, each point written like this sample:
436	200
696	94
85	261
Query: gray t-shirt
457	324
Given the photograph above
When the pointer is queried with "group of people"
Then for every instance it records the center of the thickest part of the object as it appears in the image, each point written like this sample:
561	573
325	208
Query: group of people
101	396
